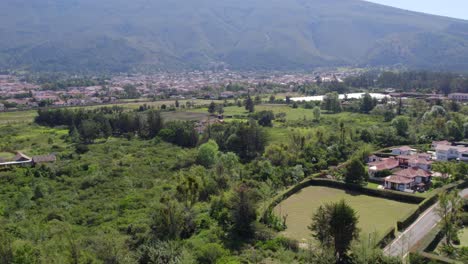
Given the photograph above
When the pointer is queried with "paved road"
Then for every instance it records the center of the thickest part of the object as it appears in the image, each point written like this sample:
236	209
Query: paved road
417	231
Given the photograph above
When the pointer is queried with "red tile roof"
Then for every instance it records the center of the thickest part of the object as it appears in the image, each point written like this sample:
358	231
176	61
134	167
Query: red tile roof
385	164
420	161
413	172
404	148
398	179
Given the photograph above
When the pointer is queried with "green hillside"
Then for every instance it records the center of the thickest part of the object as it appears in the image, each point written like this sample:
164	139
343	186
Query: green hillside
120	35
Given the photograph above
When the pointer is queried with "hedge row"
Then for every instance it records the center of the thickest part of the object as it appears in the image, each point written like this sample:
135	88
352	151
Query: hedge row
406	221
424	257
387	237
435	241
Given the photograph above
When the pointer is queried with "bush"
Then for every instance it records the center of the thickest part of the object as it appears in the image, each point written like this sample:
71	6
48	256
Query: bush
279	243
81	148
210	253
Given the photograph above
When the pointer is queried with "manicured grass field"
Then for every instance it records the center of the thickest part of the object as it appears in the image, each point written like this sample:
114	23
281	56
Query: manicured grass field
464	237
375	214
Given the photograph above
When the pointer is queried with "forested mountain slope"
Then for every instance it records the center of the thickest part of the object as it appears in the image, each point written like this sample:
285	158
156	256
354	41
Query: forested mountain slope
122	35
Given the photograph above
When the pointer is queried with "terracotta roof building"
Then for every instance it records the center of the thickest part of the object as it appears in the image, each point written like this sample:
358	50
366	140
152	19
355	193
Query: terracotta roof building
408	179
384	164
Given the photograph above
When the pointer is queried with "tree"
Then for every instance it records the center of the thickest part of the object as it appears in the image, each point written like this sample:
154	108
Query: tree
243	211
265	118
366	103
249	104
331	102
188	189
258	100
177	103
449	210
316	111
6	249
454	131
212	108
171	221
89	130
401	124
207	153
366	136
220	109
320	226
335	225
355	172
272	99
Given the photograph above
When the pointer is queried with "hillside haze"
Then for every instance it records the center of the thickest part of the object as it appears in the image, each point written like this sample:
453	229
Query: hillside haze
122	35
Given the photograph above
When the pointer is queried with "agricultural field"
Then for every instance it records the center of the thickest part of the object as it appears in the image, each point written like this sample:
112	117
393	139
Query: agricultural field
375	214
17	117
31	139
28	116
183	116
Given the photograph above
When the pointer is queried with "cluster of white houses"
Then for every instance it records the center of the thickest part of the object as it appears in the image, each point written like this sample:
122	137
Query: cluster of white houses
21	159
408	170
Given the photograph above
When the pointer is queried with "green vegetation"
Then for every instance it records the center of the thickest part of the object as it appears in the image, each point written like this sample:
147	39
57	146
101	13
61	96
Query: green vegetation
375	214
147	183
149	39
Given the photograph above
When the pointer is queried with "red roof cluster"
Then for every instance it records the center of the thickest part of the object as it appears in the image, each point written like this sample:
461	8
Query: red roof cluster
385	164
413	173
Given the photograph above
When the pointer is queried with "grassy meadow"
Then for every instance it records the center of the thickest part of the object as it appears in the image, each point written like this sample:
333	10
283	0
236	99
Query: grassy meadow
375	214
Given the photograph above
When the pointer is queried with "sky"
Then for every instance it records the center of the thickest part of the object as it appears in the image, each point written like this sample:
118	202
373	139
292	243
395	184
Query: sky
450	8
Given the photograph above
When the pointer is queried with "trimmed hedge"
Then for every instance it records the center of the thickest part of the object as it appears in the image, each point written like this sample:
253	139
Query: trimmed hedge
424	257
435	241
387	237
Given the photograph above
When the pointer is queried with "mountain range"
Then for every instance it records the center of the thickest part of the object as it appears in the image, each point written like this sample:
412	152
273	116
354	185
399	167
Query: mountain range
123	35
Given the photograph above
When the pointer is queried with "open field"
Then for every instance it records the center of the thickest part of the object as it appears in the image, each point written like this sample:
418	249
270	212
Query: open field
297	114
6	155
31	139
464	237
183	116
17	117
27	116
375	214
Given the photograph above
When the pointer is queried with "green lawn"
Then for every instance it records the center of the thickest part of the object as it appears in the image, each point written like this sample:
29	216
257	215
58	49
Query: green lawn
464	237
375	214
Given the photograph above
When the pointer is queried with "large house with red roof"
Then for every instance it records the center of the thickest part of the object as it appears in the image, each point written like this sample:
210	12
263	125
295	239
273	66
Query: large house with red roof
409	179
385	164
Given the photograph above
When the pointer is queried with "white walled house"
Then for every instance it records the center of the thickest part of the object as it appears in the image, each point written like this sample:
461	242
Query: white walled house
446	153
